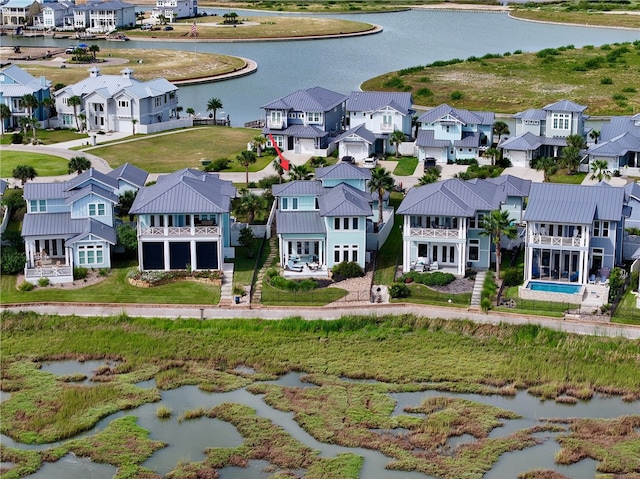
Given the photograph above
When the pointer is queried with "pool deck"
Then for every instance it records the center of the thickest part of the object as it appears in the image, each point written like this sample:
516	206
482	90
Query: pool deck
590	296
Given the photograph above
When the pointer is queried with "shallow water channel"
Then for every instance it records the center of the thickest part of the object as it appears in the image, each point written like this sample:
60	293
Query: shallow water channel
188	439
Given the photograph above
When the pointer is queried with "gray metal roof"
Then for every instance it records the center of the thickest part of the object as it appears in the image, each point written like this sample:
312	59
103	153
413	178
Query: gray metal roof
343	171
182	193
131	174
426	138
618	125
94	227
616	147
25	83
512	185
345	200
91	174
109	85
470	139
367	101
3	186
525	142
75	195
61	224
299	222
298	188
565	105
574	204
463	116
45	191
531	114
453	197
360	131
316	99
633	190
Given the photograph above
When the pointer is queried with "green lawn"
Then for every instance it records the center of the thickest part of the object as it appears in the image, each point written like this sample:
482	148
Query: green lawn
115	289
45	165
406	166
243	265
48	137
317	297
563	177
424	295
391	251
627	313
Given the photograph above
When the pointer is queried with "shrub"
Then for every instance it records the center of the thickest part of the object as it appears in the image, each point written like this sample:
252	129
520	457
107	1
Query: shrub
629	89
43	282
485	304
16	138
347	269
80	273
424	92
457	95
270	273
619	97
12	260
218	165
512	276
25	286
606	81
399	290
437	278
318	161
103	272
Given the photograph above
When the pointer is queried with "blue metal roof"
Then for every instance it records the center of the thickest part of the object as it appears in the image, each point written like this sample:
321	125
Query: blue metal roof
298	188
618	125
565	105
299	222
131	174
426	138
343	171
345	200
316	99
369	101
463	116
359	131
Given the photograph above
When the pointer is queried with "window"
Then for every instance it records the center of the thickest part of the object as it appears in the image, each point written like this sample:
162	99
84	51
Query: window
561	121
314	117
97	209
292	115
38	206
123	103
601	228
289	203
345	252
345	223
387	119
158	101
476	221
90	254
474	249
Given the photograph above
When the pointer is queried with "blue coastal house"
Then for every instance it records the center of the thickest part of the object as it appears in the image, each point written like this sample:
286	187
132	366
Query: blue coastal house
184	221
305	121
449	134
71	224
619	145
543	132
328	220
16	83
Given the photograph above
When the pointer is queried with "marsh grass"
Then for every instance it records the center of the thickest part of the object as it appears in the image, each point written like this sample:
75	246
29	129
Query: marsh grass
163	411
25	462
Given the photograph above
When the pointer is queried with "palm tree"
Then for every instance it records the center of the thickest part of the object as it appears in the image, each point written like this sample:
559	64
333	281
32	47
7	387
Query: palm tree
125	202
78	164
83	121
300	172
48	104
600	170
493	154
259	142
246	158
500	128
548	166
430	176
249	204
58	86
495	225
24	123
5	114
94	49
396	139
75	101
594	135
571	152
214	104
139	17
133	126
31	102
162	19
381	181
24	173
278	167
190	111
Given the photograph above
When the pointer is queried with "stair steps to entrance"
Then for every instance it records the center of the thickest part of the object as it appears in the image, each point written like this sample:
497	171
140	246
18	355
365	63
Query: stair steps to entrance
476	295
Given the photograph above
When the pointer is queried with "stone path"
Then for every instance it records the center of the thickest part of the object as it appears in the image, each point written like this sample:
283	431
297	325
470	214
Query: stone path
476	295
257	292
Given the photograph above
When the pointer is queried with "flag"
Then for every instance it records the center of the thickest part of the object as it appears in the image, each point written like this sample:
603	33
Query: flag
283	163
194	30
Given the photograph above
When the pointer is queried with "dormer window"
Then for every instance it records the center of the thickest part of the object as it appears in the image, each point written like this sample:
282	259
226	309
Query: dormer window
97	209
289	203
38	206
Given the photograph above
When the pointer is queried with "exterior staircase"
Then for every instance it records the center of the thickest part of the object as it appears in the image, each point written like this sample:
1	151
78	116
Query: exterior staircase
273	253
476	295
226	290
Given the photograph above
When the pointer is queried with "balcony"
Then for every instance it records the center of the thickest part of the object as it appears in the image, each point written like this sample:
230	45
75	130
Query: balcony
275	124
544	240
449	233
386	127
56	273
181	231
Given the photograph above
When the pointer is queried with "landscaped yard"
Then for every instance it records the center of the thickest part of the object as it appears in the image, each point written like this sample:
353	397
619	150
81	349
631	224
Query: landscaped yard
48	137
45	165
406	166
317	297
391	252
562	177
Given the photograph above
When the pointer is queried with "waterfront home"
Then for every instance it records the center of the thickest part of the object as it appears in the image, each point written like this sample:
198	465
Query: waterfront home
15	83
18	13
328	220
184	221
451	134
380	113
120	103
103	17
517	190
171	10
57	15
543	132
619	145
305	121
442	225
69	224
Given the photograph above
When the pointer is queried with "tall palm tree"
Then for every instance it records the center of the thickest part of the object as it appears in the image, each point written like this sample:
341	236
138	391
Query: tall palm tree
300	172
495	225
493	154
31	103
83	121
24	122
246	158
548	166
24	173
48	104
249	204
381	181
430	176
190	111
594	135
75	101
278	167
500	128
396	139
259	142
5	114
125	203
94	49
571	152
214	104
133	126
600	170
78	164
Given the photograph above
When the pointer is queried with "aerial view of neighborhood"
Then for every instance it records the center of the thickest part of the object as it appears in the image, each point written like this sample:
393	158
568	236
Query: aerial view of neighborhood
319	239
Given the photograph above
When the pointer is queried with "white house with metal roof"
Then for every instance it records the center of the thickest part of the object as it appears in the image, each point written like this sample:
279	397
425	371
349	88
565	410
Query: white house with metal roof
17	13
305	121
103	17
184	221
449	134
174	9
15	83
543	132
58	15
71	224
121	103
619	145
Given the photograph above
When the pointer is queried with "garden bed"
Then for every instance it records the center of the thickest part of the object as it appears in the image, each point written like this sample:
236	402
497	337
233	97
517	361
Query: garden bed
150	279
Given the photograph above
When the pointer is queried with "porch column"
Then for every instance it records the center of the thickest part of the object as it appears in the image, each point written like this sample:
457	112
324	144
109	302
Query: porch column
462	258
29	246
281	249
406	255
166	224
555	151
584	261
321	258
527	264
167	255
194	256
140	255
193	224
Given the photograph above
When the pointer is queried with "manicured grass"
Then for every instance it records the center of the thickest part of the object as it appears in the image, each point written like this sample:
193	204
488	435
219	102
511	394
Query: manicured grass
515	82
45	165
406	166
562	177
530	306
183	149
391	252
627	312
557	13
243	265
114	289
317	297
424	295
48	137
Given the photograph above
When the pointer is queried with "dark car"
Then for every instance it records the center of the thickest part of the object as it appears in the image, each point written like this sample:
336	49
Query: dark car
429	163
348	159
167	28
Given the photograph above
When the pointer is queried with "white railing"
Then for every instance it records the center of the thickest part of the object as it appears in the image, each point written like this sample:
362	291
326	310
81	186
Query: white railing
181	231
435	233
386	127
275	124
558	240
48	271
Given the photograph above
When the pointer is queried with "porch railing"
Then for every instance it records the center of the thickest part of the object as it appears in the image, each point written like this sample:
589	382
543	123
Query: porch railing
558	240
435	233
181	231
48	271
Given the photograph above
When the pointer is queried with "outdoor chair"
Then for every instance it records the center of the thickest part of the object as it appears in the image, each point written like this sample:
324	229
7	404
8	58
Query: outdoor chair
292	266
434	266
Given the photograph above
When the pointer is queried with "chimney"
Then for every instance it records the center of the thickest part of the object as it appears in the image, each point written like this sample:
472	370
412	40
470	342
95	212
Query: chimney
127	73
94	72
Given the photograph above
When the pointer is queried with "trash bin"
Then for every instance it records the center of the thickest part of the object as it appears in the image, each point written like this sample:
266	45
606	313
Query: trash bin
237	299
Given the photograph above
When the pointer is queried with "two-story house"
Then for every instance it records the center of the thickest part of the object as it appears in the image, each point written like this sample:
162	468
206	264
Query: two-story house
442	225
371	119
103	17
619	145
305	121
18	13
327	220
449	134
71	224
543	132
57	15
184	221
16	83
174	9
121	103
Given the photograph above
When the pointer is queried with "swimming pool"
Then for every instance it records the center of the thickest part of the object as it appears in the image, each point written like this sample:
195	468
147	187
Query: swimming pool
565	288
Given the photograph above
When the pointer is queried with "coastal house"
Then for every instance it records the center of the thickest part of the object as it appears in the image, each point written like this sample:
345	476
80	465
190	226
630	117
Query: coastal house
451	134
517	190
172	10
121	103
16	83
184	221
57	15
442	225
328	220
543	132
70	224
371	119
305	121
17	13
103	17
619	145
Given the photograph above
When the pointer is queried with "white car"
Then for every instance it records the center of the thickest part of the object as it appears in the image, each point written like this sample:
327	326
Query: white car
370	162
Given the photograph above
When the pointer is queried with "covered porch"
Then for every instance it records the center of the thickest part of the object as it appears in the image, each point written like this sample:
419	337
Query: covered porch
48	258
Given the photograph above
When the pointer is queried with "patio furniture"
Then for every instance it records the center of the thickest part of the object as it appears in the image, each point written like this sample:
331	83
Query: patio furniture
592	279
313	266
434	266
293	266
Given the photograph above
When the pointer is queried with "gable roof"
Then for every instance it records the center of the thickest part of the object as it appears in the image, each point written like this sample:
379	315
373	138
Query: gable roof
299	131
369	101
298	188
463	116
565	105
316	99
25	83
580	204
360	131
427	138
131	174
453	197
618	125
61	224
299	222
91	189
343	171
616	147
531	114
345	200
512	185
91	174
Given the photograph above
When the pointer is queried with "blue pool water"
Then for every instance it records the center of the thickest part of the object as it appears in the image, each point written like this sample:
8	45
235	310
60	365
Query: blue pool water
554	287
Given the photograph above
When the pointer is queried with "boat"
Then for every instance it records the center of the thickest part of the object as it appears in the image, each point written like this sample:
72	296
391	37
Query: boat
118	38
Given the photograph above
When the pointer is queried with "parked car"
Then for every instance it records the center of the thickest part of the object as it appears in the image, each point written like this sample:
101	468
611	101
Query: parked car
429	163
348	159
167	28
370	162
146	26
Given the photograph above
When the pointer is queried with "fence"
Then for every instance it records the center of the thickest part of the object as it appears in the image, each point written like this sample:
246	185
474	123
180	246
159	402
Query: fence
316	297
256	268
